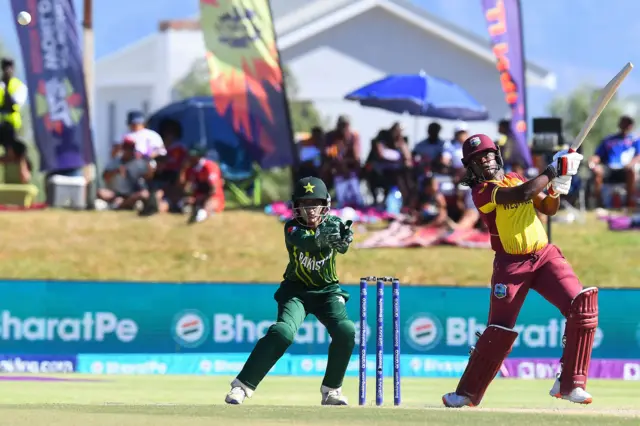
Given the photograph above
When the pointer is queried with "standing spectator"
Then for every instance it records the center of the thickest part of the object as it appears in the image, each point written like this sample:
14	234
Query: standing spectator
615	161
13	95
342	151
148	142
206	184
511	153
125	179
454	149
167	176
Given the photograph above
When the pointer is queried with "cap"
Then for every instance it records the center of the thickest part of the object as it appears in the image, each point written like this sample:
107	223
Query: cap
135	117
460	126
343	119
128	142
475	144
310	188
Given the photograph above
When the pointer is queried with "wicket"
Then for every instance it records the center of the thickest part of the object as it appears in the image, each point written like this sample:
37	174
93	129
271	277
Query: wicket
362	374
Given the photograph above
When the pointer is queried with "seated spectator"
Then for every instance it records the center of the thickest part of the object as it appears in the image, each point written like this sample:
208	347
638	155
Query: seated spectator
148	142
167	176
311	152
204	184
615	161
341	152
431	207
464	214
429	151
125	179
389	163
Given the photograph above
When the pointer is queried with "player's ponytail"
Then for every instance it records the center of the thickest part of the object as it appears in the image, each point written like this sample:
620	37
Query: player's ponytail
469	179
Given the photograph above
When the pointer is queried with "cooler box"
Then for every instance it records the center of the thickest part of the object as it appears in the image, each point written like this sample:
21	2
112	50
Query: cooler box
67	192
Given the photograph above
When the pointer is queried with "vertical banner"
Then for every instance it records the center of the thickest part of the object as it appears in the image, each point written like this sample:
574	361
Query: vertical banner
504	21
246	78
55	78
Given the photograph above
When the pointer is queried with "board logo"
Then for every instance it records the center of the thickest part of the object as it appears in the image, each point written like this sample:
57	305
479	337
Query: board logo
423	332
190	328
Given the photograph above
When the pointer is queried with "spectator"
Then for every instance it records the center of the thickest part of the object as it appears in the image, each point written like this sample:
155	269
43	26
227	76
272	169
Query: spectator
148	142
463	214
390	163
615	161
167	176
509	148
310	152
429	151
454	149
342	151
205	180
17	167
432	206
125	179
13	95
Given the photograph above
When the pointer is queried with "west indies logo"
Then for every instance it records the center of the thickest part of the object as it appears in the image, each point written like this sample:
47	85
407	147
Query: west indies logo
58	104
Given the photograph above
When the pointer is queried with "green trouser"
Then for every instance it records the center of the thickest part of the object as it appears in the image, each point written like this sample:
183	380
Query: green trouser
293	307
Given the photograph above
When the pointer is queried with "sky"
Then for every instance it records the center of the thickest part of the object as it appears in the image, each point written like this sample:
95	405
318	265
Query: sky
580	41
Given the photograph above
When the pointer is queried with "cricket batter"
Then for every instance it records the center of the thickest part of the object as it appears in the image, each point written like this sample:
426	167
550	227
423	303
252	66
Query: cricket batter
524	260
313	239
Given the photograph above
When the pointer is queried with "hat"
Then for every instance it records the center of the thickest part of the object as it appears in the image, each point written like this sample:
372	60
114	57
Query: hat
135	117
343	119
460	126
476	144
128	142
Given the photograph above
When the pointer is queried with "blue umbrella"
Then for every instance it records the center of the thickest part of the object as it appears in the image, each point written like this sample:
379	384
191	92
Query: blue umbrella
420	95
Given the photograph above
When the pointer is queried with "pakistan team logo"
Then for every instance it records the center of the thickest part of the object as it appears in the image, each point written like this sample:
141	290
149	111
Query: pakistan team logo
423	332
58	104
190	328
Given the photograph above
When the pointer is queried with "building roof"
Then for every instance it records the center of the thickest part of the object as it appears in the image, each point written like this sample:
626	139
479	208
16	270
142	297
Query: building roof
299	20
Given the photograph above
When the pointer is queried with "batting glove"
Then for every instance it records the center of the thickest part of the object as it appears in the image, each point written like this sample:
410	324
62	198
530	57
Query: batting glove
566	163
559	186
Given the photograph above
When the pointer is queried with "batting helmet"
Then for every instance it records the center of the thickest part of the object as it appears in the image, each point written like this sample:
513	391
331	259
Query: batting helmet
476	144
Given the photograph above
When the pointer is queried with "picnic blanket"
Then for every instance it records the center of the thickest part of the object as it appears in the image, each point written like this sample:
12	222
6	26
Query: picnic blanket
398	234
364	215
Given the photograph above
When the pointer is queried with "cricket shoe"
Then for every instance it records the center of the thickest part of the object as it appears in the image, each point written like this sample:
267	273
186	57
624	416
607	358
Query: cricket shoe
577	395
453	400
239	391
332	396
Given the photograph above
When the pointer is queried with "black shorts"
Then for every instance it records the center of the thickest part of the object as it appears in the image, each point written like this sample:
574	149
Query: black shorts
614	175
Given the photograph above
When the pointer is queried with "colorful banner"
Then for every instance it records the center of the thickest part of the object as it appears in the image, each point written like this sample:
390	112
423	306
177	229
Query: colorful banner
54	74
37	363
96	317
548	368
505	29
246	77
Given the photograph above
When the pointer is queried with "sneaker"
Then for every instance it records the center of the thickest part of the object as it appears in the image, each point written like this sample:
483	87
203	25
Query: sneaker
453	400
577	395
332	396
238	393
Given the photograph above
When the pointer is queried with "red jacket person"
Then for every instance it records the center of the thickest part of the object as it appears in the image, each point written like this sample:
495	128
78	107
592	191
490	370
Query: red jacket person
525	260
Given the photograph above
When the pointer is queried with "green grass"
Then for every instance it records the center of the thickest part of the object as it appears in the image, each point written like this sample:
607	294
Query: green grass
244	246
197	400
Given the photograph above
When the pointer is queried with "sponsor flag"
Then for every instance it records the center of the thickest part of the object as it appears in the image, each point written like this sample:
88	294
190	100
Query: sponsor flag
504	21
55	78
246	77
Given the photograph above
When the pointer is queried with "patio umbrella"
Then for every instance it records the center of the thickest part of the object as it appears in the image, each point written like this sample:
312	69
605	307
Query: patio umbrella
420	95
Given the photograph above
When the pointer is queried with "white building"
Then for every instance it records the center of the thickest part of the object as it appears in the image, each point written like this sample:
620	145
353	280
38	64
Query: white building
332	47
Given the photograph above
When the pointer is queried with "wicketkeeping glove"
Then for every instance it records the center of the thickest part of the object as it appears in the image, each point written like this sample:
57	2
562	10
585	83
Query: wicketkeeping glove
559	186
328	234
566	163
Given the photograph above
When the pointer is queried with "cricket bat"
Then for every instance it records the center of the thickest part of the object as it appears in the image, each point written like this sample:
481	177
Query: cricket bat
605	96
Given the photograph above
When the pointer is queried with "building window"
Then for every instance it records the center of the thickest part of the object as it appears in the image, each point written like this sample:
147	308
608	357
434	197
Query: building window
111	119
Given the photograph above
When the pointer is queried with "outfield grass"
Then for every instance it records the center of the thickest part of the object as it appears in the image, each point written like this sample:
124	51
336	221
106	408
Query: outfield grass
197	400
248	246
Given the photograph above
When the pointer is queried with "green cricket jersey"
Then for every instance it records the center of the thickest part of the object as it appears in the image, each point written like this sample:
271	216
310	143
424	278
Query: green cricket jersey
309	265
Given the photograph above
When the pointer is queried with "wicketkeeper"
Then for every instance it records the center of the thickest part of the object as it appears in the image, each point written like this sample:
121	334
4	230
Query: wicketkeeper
313	239
525	260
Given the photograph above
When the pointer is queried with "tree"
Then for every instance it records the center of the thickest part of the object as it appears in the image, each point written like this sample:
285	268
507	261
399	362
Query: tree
576	107
304	115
